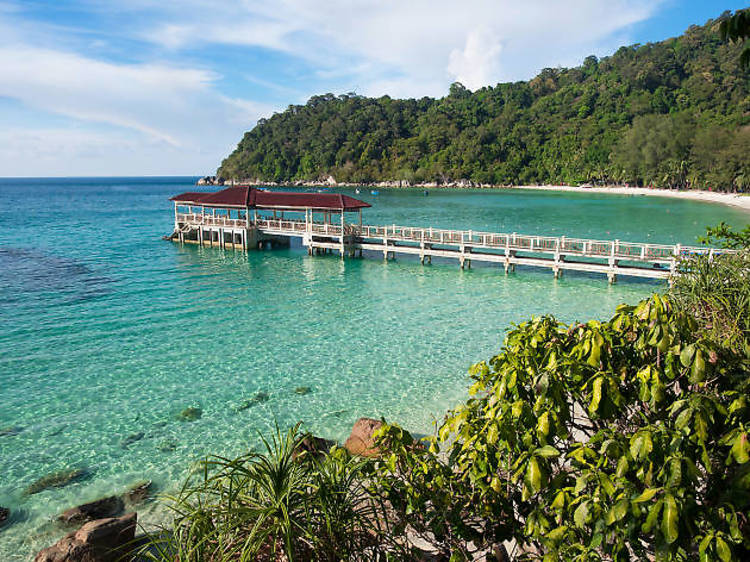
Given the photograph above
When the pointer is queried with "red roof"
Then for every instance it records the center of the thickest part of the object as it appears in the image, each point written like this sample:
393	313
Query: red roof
250	197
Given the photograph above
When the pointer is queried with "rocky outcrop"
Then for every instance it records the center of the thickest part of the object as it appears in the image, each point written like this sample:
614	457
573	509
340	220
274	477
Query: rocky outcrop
103	540
361	441
99	509
330	181
210	180
4	514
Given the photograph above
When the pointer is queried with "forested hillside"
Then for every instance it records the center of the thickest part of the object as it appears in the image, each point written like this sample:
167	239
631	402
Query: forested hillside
670	114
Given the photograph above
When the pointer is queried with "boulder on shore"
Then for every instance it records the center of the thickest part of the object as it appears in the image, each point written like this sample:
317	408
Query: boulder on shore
103	540
99	509
361	441
312	446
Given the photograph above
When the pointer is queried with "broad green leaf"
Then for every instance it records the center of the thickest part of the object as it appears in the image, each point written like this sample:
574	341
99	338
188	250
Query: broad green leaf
675	473
622	467
492	434
607	485
683	418
741	448
723	550
596	351
581	514
546	452
647	494
557	534
542	425
704	543
687	354
698	370
596	395
559	501
534	475
641	445
653	515
669	519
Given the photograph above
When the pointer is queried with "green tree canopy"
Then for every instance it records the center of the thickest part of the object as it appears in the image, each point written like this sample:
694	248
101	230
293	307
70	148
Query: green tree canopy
669	114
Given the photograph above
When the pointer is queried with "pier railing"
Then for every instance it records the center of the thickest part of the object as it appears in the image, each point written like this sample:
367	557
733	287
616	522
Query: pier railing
530	243
562	245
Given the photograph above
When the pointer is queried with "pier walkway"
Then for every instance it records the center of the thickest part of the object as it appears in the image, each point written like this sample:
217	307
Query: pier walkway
609	257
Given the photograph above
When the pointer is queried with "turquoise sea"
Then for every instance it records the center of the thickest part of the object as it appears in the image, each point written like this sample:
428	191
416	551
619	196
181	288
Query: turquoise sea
107	332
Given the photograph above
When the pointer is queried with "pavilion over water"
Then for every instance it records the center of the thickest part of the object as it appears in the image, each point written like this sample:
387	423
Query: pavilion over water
245	217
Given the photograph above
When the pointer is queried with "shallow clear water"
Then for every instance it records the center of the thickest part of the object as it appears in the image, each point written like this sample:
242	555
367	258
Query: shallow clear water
108	331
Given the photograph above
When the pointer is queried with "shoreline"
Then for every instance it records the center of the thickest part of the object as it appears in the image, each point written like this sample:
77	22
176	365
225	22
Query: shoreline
741	201
732	199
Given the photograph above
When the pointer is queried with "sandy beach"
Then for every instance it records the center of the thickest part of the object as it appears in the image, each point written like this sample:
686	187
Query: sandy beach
736	200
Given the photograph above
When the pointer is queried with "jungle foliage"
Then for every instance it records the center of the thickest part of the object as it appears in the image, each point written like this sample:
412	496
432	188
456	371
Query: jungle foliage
671	114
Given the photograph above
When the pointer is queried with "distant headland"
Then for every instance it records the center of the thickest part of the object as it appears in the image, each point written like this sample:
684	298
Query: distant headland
670	115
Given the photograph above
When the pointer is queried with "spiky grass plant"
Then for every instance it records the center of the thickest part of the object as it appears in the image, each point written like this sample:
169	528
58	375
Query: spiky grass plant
717	293
284	504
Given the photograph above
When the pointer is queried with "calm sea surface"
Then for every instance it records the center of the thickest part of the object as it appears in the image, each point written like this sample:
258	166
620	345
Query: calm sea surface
107	332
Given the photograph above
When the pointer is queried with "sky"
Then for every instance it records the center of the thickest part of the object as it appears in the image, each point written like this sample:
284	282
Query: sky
139	87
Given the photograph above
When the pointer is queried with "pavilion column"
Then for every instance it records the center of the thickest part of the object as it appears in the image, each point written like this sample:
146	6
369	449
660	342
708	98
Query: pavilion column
342	233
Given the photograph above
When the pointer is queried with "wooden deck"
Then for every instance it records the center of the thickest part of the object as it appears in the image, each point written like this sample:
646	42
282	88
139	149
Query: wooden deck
609	257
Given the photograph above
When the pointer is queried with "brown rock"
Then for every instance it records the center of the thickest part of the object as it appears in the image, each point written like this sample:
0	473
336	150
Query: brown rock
138	493
104	507
360	441
67	549
4	514
103	540
311	445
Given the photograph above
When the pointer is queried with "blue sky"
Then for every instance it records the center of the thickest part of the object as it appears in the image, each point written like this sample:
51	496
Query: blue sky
139	87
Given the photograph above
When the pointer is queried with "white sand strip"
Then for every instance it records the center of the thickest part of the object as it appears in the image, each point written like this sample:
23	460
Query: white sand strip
736	200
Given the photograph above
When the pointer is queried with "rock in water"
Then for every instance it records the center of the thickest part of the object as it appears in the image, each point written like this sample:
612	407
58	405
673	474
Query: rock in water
104	507
103	540
167	446
259	398
302	390
190	414
132	438
4	514
9	431
55	480
138	493
361	441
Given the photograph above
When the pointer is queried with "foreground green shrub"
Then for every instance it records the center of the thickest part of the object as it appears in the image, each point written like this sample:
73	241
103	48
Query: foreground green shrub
604	441
285	504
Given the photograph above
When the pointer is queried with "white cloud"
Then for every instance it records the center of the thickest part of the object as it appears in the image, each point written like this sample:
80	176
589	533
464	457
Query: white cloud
478	63
179	116
397	43
165	109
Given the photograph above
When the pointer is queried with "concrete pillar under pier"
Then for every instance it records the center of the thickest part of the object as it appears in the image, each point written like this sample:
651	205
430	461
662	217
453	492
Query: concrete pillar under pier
612	273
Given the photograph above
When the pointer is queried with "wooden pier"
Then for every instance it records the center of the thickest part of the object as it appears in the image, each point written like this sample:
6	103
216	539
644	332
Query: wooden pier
252	227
